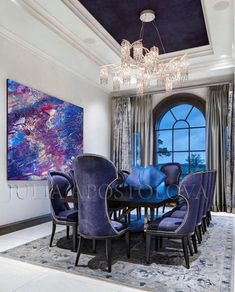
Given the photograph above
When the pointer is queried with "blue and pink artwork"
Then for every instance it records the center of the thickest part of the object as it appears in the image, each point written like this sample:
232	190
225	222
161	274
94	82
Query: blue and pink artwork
44	133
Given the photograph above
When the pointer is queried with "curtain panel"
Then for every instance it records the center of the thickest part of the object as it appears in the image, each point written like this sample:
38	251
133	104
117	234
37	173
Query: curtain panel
216	117
143	127
230	161
132	131
122	133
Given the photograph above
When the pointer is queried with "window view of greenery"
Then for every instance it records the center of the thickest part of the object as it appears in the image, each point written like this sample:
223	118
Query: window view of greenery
180	137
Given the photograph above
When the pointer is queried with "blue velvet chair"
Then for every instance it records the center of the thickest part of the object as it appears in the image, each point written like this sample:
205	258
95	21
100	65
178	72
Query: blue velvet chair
60	184
206	199
116	212
181	210
207	211
180	228
94	175
172	170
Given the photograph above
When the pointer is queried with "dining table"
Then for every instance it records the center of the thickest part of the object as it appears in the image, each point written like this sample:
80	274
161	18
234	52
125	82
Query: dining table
148	198
131	198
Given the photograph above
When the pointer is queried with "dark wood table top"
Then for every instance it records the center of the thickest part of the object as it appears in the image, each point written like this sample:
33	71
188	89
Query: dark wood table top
134	198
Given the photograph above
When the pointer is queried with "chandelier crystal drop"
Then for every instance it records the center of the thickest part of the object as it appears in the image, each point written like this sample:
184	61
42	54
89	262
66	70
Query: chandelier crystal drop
143	66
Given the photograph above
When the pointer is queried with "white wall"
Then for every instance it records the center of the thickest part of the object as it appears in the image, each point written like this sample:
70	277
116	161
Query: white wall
201	92
17	63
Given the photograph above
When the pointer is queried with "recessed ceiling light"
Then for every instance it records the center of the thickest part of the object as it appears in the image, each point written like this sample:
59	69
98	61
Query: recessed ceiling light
221	5
15	2
89	41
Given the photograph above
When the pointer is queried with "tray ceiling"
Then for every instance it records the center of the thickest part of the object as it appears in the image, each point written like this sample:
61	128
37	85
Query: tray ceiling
180	22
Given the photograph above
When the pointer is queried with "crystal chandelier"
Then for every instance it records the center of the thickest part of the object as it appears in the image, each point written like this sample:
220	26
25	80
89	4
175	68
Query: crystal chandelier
143	66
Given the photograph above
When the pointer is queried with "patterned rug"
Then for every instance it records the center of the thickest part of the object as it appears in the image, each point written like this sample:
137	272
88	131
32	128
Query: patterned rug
211	269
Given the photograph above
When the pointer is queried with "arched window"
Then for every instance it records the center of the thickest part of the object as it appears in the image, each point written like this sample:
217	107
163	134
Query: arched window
180	133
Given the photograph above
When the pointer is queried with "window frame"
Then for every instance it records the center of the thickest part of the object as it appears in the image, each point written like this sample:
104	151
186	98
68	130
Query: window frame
165	105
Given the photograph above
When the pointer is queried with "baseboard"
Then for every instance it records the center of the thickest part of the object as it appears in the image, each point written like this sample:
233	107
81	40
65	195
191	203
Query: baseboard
15	226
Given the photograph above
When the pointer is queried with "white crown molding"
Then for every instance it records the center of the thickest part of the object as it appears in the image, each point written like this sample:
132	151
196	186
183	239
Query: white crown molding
10	36
82	13
189	85
38	12
206	21
224	63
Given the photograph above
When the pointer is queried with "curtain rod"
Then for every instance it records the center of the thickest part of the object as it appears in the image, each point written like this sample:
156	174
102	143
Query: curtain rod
182	88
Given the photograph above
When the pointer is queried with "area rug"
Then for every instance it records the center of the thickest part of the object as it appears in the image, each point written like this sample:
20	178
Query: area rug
210	269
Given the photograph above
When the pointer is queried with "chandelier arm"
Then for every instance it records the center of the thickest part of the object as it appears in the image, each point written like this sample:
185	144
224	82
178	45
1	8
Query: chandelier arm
159	36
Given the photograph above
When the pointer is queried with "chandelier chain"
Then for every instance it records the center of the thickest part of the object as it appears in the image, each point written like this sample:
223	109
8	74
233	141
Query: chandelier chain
159	36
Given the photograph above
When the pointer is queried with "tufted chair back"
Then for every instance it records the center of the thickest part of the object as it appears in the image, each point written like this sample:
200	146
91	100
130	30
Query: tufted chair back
191	190
172	172
93	175
59	183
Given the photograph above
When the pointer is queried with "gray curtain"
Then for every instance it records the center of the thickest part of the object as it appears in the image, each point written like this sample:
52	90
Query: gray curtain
121	133
143	126
230	162
216	117
132	116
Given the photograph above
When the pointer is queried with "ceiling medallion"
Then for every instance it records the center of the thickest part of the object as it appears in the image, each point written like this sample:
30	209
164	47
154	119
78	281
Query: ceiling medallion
145	68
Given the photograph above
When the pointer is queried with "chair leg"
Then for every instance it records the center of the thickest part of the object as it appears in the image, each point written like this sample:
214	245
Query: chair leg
67	232
204	223
75	238
198	234
194	242
156	243
79	250
160	242
190	246
52	233
129	218
185	249
200	231
93	245
108	253
148	242
127	239
163	208
202	228
156	212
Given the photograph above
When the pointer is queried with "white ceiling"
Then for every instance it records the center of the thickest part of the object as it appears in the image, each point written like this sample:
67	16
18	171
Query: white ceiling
65	33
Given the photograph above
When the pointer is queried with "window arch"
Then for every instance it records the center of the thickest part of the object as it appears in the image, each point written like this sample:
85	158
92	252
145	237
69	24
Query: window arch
180	130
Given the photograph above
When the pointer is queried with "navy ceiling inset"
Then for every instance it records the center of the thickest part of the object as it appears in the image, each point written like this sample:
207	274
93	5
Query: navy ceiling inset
180	22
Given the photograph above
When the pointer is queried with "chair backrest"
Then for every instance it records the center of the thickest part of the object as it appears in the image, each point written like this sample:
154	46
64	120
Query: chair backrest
59	183
212	189
172	172
204	195
93	175
190	189
74	187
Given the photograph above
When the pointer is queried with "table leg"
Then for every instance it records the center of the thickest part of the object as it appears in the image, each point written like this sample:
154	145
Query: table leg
152	214
145	218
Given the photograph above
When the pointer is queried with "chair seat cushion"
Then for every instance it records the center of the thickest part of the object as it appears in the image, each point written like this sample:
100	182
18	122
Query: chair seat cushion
68	215
118	225
178	214
182	207
175	213
165	224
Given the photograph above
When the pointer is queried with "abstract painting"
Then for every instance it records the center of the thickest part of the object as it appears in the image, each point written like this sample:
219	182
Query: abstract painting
44	133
